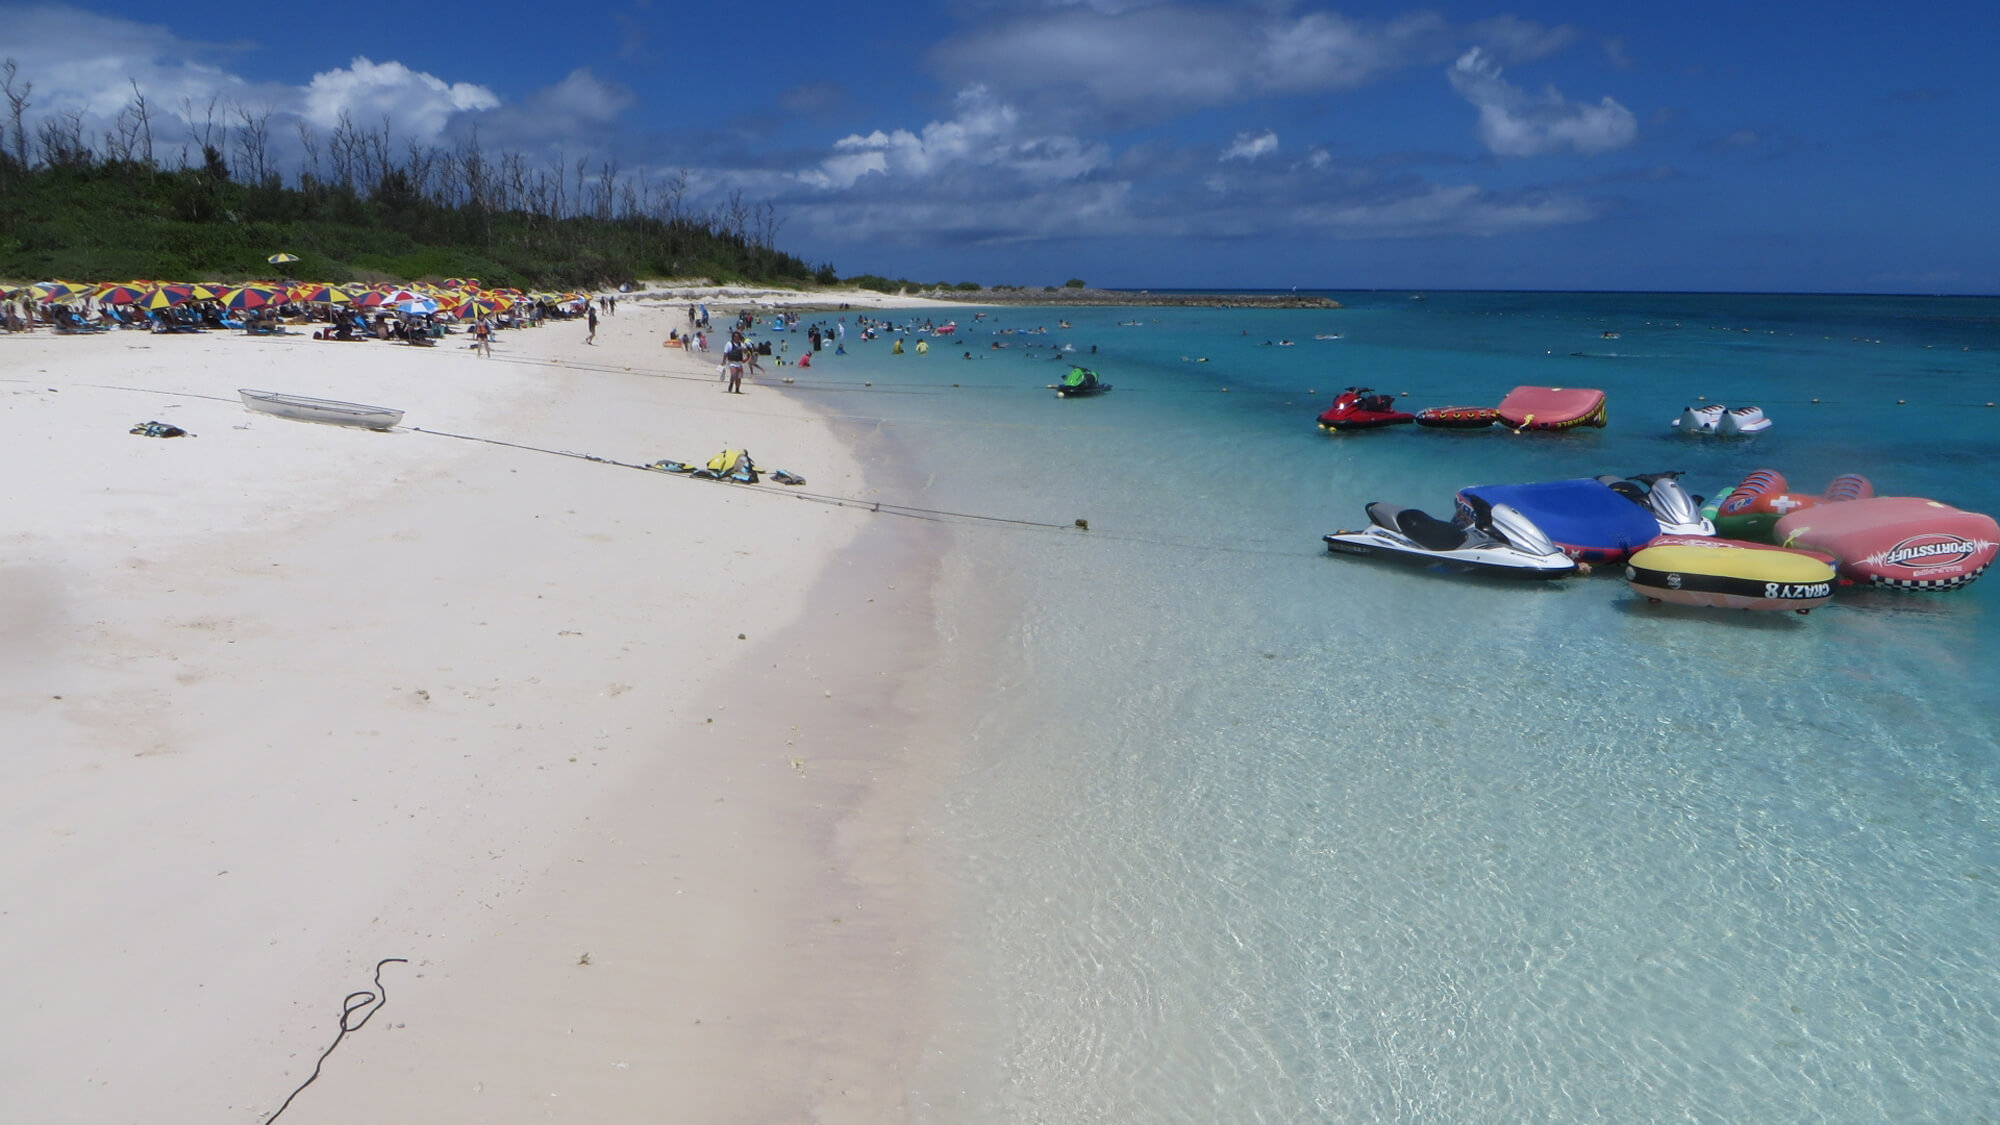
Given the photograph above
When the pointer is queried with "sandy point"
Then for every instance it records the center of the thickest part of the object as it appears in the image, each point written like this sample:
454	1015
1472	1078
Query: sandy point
620	761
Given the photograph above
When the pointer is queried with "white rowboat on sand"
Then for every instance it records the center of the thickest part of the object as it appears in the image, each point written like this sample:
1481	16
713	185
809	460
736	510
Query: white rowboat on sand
303	409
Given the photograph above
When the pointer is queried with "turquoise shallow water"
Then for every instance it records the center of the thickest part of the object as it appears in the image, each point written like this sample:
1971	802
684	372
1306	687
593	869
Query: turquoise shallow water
1243	832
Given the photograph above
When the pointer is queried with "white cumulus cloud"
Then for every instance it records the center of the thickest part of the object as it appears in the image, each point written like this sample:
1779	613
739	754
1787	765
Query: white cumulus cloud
985	133
420	104
1247	147
1514	122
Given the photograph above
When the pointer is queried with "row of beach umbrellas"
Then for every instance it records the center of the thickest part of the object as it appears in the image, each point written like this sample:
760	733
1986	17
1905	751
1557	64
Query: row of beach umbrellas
458	297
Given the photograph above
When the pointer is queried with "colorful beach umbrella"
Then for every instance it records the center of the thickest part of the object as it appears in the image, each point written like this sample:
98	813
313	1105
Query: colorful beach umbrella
59	290
417	305
281	259
112	293
166	296
322	295
250	297
475	307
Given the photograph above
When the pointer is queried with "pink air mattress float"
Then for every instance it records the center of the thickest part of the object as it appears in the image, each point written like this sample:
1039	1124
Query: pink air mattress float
1551	408
1901	542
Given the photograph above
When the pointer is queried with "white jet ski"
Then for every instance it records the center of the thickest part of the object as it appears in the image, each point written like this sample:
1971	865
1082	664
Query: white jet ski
1661	494
1484	539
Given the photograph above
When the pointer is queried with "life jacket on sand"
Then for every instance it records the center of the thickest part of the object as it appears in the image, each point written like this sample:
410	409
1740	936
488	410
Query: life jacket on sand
734	464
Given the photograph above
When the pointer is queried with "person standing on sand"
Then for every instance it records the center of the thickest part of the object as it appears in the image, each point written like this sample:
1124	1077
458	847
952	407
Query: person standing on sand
590	312
732	365
482	336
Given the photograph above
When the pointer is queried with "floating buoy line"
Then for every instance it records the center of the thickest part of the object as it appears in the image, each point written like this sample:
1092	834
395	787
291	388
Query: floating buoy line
937	515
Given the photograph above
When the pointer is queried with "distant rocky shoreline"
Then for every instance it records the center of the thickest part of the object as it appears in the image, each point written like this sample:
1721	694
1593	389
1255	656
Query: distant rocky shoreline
1121	297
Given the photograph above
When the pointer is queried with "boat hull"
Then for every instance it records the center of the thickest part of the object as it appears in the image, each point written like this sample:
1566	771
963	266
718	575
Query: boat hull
1365	422
326	411
1374	542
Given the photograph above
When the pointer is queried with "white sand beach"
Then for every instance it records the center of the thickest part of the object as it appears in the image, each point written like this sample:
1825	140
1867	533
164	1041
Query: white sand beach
618	760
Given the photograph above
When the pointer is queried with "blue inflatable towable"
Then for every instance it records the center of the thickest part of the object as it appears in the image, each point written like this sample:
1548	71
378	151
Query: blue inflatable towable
1588	520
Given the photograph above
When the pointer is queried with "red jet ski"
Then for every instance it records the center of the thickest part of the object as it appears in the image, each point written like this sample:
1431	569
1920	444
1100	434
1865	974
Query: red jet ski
1360	408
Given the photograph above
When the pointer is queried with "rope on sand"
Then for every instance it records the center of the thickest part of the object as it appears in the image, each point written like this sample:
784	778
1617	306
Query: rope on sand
368	1003
937	515
907	511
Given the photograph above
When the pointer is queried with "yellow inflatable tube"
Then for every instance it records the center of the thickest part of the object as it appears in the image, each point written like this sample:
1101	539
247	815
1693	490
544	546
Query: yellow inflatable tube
1730	574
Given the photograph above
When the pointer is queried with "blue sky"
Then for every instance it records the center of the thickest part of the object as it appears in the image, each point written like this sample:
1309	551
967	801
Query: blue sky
1549	145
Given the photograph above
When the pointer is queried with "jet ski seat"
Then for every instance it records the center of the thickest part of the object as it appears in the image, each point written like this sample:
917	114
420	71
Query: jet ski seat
1422	528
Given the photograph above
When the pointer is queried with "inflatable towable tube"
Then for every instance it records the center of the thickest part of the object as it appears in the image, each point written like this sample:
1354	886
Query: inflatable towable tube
1899	542
1552	408
1753	508
1696	570
1458	417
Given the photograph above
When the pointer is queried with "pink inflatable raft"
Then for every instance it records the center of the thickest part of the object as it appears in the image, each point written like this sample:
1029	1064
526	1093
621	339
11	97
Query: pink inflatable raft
1902	542
1551	408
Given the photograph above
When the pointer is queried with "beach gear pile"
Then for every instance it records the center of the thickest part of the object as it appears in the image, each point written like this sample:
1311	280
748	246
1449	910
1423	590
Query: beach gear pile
730	464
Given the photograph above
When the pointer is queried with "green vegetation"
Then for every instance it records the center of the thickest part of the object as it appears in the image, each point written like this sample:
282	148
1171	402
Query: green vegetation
1073	283
886	285
103	220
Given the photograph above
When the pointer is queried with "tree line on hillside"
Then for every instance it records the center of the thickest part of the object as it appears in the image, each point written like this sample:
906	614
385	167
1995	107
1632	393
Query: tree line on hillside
129	202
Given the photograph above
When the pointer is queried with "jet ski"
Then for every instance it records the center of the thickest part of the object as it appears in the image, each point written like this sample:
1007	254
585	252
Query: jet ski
1361	408
1484	539
1661	495
1080	381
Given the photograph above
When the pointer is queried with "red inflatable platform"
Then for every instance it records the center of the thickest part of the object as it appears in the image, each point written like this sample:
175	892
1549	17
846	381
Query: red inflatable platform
1551	408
